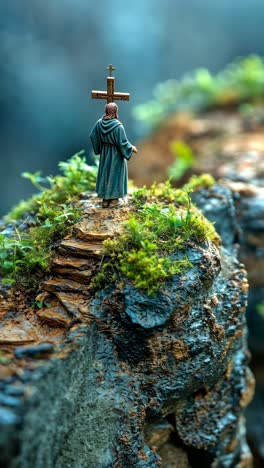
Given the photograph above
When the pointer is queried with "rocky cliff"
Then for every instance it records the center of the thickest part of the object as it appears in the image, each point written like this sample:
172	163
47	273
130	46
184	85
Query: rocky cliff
229	144
118	377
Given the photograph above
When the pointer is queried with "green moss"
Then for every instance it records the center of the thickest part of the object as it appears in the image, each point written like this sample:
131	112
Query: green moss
26	255
163	191
240	82
77	177
164	220
147	269
197	182
29	206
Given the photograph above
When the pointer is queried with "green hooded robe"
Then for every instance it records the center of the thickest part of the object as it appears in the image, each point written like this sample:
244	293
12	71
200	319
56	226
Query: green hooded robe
112	172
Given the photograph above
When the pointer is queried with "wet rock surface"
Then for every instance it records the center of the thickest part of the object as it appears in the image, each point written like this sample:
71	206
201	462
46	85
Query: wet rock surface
255	418
244	220
117	378
229	145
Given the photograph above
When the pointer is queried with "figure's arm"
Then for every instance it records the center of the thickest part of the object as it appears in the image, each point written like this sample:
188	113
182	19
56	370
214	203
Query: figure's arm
95	139
124	146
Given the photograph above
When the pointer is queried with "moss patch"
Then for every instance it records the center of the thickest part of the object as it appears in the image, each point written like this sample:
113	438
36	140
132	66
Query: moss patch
197	182
25	254
164	220
76	177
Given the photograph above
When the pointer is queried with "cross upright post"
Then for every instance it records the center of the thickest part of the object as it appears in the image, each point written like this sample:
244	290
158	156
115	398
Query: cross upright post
111	69
110	95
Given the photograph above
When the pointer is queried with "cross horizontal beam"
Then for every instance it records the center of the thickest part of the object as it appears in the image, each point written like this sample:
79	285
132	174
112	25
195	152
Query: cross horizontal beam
99	94
121	96
110	94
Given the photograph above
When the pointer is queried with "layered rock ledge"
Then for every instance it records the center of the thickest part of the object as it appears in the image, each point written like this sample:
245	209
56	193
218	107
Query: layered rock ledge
229	145
117	378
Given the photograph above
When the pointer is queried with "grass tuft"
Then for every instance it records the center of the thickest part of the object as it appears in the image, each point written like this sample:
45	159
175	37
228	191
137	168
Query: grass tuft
25	256
165	220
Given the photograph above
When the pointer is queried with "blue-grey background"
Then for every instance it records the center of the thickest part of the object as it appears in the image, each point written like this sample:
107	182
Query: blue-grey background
53	52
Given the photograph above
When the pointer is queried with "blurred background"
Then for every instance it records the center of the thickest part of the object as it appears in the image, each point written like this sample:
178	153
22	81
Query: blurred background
54	52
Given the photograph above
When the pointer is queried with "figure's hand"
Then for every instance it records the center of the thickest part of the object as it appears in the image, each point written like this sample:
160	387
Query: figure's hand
134	149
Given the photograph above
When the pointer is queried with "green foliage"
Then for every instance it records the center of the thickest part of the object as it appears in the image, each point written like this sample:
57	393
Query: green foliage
12	251
197	182
184	159
40	304
147	269
77	177
20	260
53	222
240	82
164	192
26	255
29	206
156	229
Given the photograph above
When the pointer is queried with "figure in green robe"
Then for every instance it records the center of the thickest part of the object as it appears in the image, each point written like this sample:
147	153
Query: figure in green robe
109	140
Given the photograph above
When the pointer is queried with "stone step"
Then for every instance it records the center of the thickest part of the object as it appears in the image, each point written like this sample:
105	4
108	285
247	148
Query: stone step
88	235
72	303
83	277
71	263
80	248
62	285
54	316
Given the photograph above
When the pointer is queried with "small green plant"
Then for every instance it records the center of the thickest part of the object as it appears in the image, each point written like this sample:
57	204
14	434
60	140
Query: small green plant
25	256
29	206
240	82
142	252
40	304
184	159
12	252
197	182
163	191
147	269
77	176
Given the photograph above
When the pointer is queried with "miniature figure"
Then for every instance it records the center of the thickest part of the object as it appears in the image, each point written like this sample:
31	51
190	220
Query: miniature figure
110	141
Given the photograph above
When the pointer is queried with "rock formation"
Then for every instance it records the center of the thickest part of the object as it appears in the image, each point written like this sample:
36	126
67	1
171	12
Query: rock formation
118	378
228	144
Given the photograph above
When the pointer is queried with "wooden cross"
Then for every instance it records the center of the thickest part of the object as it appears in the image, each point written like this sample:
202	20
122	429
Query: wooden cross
110	94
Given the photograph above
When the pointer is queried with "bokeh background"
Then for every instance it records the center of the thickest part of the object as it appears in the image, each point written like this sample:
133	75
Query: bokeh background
54	52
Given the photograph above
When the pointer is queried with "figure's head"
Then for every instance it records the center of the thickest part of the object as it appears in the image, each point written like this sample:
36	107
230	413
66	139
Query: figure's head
111	111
